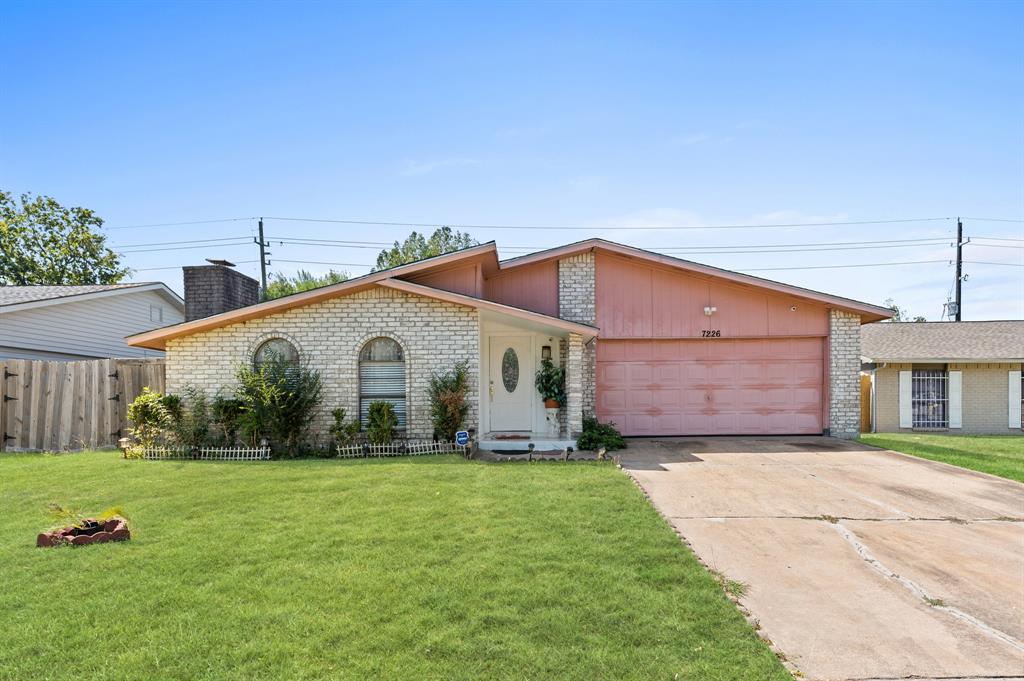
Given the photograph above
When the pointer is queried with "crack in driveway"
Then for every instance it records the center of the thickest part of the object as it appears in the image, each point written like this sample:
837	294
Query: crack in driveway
918	591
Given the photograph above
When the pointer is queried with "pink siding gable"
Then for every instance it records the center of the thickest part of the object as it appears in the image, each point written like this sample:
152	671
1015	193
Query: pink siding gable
465	279
531	287
644	300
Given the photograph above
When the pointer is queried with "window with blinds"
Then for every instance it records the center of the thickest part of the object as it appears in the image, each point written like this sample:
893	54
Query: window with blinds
930	398
382	378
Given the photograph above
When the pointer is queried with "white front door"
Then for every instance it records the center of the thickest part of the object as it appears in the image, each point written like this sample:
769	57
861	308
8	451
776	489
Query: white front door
510	385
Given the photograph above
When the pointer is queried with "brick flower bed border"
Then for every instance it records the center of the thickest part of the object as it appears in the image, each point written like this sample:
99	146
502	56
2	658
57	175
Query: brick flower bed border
115	529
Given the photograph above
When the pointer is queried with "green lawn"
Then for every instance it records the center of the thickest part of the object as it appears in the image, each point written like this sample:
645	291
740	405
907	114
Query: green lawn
426	568
1001	455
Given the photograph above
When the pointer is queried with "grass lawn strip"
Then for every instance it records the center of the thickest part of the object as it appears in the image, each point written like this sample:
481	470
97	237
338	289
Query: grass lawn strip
426	568
1001	455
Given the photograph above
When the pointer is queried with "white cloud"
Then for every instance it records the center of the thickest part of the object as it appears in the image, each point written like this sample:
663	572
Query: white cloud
412	167
699	138
689	140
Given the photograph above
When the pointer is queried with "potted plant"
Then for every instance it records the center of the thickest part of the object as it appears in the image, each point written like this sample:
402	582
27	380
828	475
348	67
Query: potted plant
550	382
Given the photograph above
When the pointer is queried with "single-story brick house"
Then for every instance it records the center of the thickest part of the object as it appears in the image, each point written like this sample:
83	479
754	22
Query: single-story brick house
658	345
956	377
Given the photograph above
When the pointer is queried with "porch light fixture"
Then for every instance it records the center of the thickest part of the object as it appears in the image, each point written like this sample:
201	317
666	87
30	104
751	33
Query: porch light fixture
709	310
545	352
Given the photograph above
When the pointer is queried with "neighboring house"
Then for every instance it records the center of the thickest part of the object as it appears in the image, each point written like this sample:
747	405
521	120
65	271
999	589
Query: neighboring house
83	322
956	377
660	346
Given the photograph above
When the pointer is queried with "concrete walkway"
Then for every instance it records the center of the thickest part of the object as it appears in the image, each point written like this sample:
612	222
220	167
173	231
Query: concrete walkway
860	563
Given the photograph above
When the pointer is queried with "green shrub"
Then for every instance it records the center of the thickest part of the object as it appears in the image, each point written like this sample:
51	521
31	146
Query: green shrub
172	403
191	427
225	415
152	421
343	433
381	423
596	435
278	401
550	381
448	407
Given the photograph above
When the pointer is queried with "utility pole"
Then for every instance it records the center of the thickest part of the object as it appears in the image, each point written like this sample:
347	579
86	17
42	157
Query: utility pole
959	262
264	253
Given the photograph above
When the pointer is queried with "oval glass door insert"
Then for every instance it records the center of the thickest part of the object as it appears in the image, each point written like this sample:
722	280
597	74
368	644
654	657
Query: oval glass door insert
510	370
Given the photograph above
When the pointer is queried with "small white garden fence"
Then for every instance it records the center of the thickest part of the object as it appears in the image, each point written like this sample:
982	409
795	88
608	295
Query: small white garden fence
404	448
208	453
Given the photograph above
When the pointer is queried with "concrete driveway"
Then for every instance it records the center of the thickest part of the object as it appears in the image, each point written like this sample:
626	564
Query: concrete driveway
859	563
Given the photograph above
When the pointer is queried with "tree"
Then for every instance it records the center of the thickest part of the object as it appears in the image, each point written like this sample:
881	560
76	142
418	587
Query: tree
900	314
416	247
280	285
44	243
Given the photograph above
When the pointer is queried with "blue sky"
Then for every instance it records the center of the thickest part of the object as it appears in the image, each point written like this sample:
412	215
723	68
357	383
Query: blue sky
607	117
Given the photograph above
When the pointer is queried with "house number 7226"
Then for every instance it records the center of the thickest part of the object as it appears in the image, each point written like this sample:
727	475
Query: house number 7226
711	333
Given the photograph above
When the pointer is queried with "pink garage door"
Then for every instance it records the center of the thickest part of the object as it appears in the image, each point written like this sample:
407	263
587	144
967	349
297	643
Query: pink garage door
711	387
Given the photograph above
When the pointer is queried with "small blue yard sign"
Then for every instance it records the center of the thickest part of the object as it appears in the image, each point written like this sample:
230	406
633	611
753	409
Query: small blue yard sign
462	438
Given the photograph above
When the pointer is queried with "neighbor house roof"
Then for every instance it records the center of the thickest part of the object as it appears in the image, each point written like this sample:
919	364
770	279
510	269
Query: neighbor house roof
867	311
22	297
995	341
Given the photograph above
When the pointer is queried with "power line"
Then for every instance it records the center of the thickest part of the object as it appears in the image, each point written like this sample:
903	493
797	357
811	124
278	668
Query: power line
183	248
318	262
382	223
178	267
833	267
189	241
975	243
820	246
759	269
994	219
795	250
981	262
178	224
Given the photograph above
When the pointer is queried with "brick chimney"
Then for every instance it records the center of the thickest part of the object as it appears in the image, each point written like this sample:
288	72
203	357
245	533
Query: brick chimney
215	288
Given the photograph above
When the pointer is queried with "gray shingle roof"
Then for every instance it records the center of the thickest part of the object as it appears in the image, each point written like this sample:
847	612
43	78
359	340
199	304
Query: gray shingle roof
909	341
14	295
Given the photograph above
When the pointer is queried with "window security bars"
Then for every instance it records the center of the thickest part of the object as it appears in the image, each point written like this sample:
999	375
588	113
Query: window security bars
930	398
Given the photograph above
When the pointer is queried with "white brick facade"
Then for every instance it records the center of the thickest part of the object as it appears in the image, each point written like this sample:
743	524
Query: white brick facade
433	334
844	374
577	297
574	385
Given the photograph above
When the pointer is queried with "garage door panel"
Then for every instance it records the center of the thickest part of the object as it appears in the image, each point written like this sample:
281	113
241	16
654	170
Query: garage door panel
612	400
611	373
727	386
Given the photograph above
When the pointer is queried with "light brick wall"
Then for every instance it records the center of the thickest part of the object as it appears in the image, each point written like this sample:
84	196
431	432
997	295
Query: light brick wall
329	335
844	374
577	290
574	385
984	396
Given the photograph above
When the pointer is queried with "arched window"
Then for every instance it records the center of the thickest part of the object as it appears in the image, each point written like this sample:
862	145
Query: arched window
275	347
382	377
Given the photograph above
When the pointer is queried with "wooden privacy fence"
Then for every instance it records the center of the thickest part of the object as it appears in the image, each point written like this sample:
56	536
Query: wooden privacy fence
865	403
57	406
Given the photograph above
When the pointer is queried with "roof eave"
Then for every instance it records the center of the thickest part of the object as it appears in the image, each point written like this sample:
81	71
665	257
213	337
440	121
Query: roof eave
868	312
156	339
585	330
942	360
